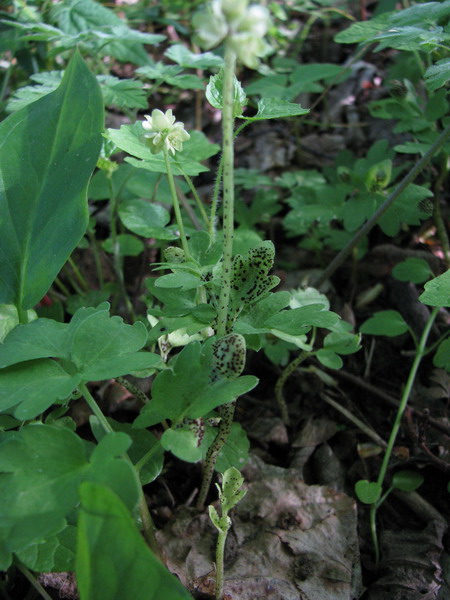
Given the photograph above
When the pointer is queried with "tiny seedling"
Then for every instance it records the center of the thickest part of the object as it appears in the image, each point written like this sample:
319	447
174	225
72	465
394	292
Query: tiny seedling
229	495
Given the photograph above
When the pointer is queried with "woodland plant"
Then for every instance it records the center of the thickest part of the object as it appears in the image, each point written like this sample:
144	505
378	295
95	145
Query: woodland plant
76	504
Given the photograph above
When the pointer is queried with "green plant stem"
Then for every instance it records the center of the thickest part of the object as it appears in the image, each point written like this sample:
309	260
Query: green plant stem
117	259
200	206
227	411
437	213
420	353
146	519
96	254
22	314
32	579
78	275
62	286
228	188
220	551
409	178
176	206
292	366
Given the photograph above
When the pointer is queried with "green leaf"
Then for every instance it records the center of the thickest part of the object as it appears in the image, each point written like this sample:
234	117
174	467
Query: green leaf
183	443
367	492
93	346
171	75
41	468
187	59
113	560
146	219
130	138
29	388
235	451
442	357
123	93
407	481
415	270
437	291
275	108
128	245
102	30
438	74
142	442
329	358
187	390
9	318
385	322
48	151
214	93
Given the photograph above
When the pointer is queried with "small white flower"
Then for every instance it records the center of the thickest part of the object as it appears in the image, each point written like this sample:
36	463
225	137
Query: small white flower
163	132
210	25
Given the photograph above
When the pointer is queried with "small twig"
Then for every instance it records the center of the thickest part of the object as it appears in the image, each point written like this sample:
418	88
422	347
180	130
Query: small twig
389	399
370	224
351	417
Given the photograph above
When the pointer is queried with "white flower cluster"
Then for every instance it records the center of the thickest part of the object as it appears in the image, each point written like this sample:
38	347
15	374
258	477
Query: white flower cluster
244	25
163	132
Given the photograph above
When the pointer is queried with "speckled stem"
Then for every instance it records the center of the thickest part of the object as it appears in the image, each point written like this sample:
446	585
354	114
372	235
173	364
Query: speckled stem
227	412
228	188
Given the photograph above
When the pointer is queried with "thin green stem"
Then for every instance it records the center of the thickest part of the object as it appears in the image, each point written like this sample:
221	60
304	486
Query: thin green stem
84	284
421	349
146	519
98	265
200	206
409	178
32	579
22	314
292	366
62	286
176	205
420	353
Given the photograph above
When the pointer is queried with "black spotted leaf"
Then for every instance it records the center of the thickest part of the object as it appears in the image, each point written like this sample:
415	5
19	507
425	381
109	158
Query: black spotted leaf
41	468
189	389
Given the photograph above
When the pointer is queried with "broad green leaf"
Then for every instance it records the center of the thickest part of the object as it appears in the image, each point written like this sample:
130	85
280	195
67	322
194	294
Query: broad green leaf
113	560
123	93
42	338
329	358
275	108
416	270
29	388
146	219
54	554
48	151
187	59
142	441
187	390
214	94
183	443
407	481
102	30
41	469
368	492
130	138
9	319
127	245
93	346
442	357
437	291
385	322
